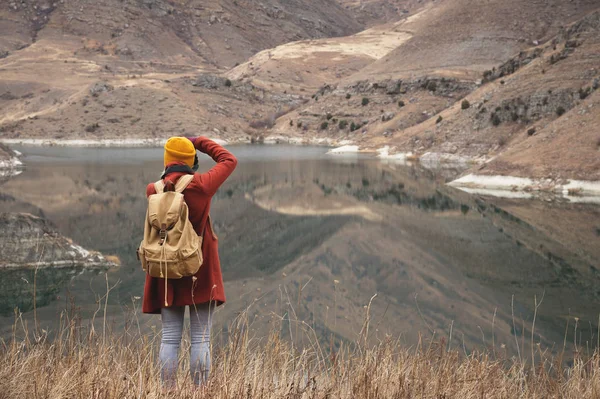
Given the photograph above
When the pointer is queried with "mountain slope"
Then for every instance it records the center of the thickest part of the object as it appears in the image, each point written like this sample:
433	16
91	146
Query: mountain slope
135	62
539	111
218	33
462	38
414	107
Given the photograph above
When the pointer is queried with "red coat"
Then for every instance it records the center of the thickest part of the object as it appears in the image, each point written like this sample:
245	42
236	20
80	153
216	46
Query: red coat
209	284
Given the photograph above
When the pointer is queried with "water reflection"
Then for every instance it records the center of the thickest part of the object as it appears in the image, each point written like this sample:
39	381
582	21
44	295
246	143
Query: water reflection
316	237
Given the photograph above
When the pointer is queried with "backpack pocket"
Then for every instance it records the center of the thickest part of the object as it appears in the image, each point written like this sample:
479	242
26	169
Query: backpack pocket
162	262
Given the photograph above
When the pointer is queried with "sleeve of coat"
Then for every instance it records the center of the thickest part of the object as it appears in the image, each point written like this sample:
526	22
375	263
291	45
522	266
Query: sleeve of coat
150	190
226	163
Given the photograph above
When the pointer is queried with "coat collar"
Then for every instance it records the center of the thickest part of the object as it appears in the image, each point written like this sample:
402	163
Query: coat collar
176	167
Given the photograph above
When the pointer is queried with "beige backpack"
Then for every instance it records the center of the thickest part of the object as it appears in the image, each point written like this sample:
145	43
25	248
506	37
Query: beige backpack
171	249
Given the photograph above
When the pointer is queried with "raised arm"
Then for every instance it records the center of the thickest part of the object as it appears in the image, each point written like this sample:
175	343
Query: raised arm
226	163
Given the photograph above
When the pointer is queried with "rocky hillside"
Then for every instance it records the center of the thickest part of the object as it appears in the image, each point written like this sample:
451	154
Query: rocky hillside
117	69
33	254
528	96
214	33
534	115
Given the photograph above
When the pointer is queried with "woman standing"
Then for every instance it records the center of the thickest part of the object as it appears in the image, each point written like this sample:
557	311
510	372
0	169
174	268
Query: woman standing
205	288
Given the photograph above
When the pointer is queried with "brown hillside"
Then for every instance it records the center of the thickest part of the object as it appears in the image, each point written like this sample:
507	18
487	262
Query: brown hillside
525	114
455	39
568	147
374	12
87	69
462	38
219	32
417	110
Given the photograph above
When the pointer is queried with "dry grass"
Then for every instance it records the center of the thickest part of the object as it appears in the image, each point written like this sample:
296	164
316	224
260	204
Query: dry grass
82	362
91	360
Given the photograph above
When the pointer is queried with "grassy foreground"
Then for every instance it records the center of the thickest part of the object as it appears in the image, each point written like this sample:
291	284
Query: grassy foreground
82	362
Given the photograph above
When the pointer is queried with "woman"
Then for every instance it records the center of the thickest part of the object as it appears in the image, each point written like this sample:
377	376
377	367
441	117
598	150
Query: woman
205	288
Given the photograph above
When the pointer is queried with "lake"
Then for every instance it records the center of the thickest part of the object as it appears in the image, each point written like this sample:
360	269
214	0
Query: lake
308	241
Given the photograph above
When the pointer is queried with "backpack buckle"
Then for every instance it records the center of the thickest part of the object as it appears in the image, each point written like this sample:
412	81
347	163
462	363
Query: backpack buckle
163	234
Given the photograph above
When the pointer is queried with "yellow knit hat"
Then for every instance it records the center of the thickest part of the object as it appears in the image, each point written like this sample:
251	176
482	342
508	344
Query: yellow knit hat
179	149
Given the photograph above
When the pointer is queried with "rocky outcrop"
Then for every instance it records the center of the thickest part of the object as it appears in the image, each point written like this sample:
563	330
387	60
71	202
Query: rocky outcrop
31	250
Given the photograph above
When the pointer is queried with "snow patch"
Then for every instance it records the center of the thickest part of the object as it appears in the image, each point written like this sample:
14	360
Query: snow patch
80	250
11	163
521	187
384	153
498	193
345	149
492	182
220	141
11	167
10	172
582	187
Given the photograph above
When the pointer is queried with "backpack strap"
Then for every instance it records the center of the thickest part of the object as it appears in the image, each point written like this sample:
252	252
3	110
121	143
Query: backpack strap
159	187
183	182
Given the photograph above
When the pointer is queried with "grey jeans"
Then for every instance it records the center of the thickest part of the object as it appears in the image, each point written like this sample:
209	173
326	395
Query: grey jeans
172	331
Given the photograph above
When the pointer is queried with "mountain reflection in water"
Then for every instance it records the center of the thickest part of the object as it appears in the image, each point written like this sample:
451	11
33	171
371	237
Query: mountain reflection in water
307	237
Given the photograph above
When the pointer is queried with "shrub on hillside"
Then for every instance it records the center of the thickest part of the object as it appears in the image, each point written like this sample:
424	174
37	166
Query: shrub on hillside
560	111
401	103
584	93
348	95
355	126
264	123
496	119
343	124
269	121
228	83
465	104
324	125
365	101
439	119
92	128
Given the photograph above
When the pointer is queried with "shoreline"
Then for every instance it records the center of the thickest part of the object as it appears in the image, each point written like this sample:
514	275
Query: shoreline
100	143
502	186
577	191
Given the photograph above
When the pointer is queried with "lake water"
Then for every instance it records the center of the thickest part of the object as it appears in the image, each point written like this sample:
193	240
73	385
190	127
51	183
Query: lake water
307	237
